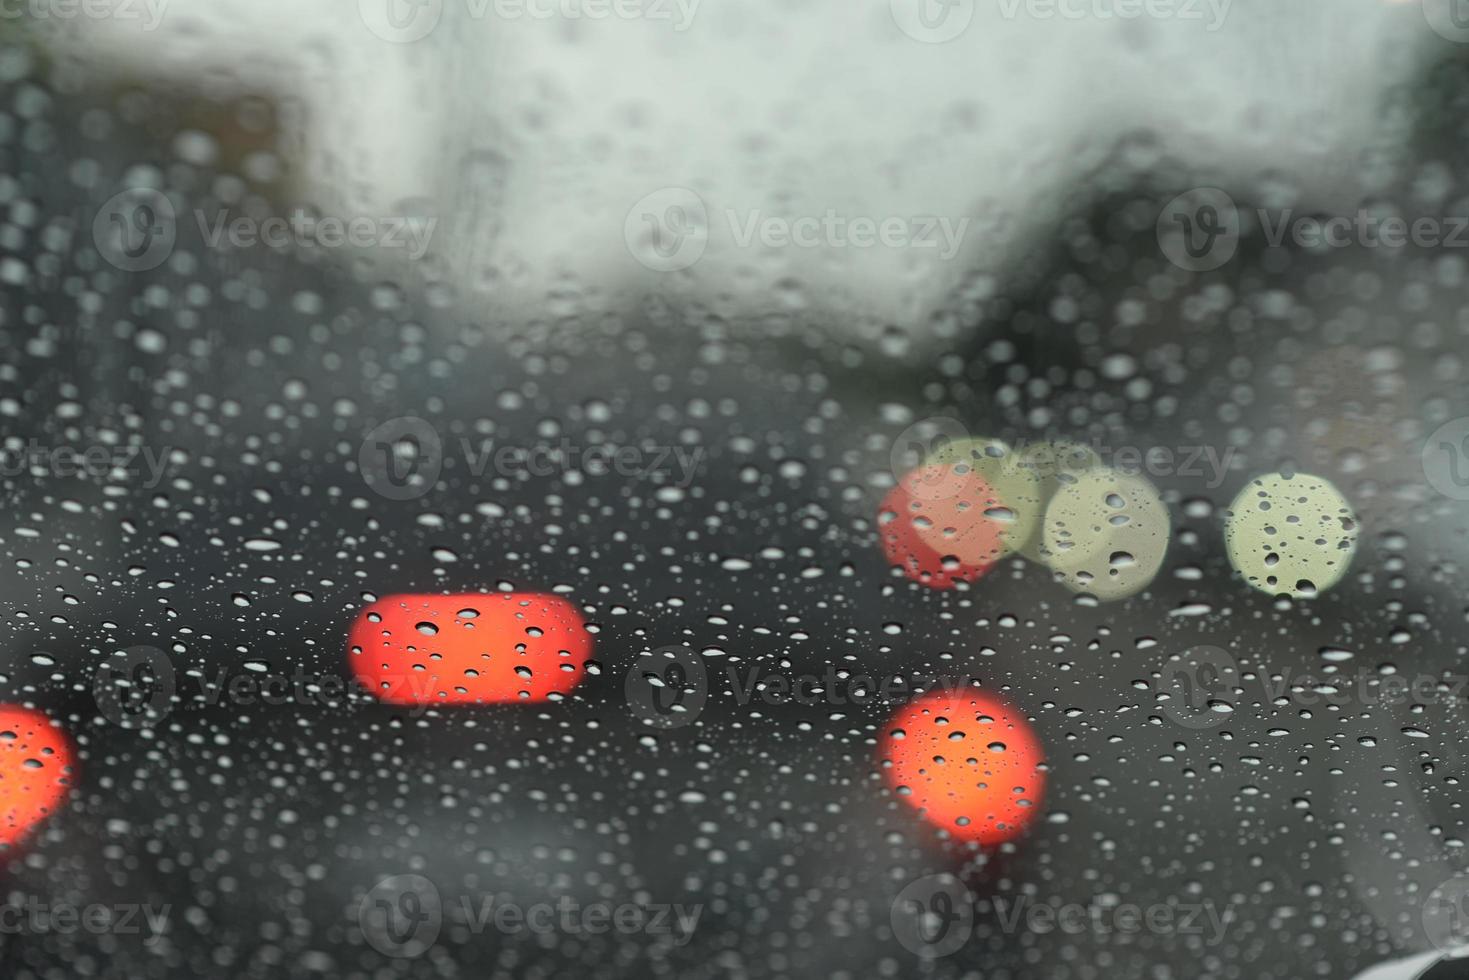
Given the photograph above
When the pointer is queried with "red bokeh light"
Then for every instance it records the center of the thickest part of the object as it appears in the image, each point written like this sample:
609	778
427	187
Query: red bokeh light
936	526
968	762
471	648
37	770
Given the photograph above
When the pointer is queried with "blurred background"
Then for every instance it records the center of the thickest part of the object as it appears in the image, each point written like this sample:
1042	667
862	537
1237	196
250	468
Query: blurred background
780	254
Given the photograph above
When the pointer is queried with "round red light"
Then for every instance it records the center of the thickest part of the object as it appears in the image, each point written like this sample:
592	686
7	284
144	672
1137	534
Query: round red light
968	762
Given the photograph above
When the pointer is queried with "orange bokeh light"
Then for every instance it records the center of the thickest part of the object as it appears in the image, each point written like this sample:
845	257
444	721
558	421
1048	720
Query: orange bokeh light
37	770
968	762
470	648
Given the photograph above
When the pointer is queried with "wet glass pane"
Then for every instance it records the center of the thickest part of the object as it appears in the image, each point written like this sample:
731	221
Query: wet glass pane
681	489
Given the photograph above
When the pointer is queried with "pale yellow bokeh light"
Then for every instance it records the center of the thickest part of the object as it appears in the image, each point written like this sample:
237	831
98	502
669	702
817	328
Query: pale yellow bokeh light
1290	535
1017	489
1106	533
1056	464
